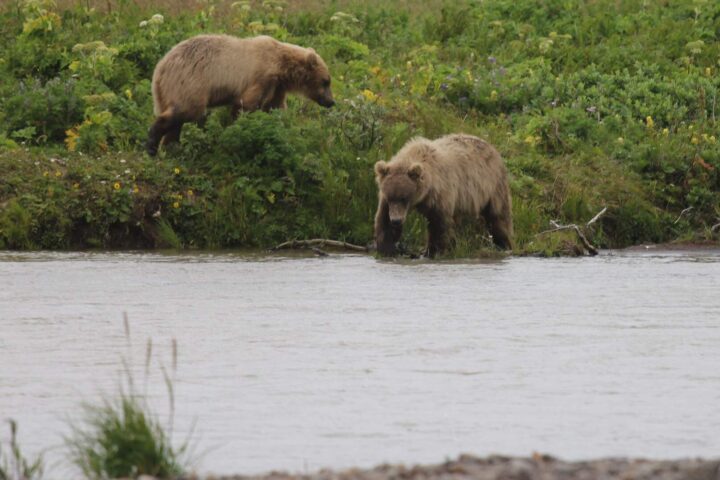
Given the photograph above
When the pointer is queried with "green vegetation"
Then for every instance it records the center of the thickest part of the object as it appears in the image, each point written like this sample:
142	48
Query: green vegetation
14	465
592	103
122	438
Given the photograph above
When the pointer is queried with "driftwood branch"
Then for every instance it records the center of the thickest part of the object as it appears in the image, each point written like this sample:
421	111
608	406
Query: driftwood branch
715	227
687	210
583	239
317	243
557	227
596	217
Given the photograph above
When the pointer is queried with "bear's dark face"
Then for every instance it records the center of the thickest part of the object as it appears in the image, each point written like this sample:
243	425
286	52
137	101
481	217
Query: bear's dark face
318	85
400	188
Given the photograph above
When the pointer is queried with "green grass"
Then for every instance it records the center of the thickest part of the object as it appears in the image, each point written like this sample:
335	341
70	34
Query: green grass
591	103
13	463
121	437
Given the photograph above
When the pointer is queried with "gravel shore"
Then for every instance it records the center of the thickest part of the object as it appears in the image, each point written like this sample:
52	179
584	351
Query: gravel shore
538	467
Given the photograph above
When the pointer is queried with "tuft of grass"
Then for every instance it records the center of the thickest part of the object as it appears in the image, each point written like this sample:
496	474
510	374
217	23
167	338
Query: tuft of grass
14	465
122	438
167	237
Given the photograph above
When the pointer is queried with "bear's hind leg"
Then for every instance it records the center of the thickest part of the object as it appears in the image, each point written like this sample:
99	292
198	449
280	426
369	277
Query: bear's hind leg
155	135
167	127
173	134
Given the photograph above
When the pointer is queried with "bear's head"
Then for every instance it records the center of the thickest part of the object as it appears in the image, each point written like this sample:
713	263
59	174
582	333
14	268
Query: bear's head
402	187
317	80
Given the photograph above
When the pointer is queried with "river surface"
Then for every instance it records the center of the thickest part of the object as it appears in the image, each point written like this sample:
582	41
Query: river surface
299	363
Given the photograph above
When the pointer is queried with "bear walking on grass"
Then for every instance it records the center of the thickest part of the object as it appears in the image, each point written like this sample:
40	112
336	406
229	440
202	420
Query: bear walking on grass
443	179
248	74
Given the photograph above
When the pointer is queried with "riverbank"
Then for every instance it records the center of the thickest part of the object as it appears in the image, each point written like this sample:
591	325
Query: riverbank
537	467
583	120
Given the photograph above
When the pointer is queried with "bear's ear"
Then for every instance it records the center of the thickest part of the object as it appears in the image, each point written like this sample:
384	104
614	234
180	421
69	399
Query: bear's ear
381	169
415	171
312	58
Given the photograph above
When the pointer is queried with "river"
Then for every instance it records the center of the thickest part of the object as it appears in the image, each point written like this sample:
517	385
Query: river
298	363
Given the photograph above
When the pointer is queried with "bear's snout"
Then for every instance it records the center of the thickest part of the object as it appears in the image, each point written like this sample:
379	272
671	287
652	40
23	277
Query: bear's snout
327	102
396	222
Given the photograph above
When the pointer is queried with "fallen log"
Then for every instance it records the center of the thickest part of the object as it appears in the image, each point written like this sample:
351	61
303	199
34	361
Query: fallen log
583	239
591	249
319	243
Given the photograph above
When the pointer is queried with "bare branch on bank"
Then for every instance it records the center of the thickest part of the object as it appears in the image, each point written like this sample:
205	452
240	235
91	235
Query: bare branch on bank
317	243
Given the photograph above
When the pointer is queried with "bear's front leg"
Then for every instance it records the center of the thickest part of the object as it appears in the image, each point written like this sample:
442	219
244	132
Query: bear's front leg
278	100
439	230
386	235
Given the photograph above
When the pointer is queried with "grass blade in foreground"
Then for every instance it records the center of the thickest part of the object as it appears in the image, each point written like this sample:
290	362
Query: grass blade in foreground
14	466
122	438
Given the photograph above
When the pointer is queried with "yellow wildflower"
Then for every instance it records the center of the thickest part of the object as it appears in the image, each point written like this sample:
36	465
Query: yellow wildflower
649	121
58	173
666	132
621	140
46	173
376	70
176	170
532	140
135	189
76	186
711	139
694	140
71	139
128	94
493	95
176	204
369	95
190	193
708	71
116	185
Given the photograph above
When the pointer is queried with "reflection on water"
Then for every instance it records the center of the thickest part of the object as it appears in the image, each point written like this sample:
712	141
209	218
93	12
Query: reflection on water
297	363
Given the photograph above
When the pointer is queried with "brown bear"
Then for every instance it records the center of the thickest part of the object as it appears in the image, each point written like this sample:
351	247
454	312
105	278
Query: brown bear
443	179
248	74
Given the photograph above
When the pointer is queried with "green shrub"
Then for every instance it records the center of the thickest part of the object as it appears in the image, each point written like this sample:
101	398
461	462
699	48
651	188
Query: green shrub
583	116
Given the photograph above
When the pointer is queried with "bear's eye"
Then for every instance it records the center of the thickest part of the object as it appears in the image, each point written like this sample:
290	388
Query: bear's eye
326	83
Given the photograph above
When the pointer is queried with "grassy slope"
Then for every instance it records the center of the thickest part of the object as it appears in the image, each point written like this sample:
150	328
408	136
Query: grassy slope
592	104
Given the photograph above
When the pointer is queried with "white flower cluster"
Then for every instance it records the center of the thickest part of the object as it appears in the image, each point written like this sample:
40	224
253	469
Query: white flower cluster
156	19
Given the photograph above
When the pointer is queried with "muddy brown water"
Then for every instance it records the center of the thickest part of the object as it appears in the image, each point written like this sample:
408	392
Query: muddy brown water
298	363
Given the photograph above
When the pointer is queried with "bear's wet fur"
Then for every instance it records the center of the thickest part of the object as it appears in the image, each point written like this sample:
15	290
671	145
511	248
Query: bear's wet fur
452	176
248	74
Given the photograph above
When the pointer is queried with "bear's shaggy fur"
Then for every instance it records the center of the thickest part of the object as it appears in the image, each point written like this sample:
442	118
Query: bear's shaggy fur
445	178
248	74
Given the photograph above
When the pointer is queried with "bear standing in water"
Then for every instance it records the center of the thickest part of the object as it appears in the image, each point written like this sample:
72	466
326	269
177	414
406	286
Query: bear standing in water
248	74
451	176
